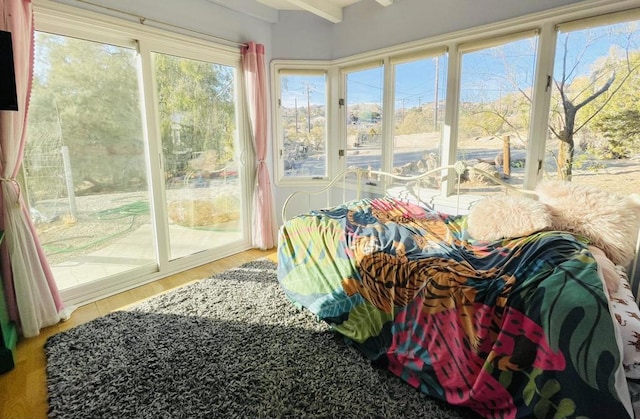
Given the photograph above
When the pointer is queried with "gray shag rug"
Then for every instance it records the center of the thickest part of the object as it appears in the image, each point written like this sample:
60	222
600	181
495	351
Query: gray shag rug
228	346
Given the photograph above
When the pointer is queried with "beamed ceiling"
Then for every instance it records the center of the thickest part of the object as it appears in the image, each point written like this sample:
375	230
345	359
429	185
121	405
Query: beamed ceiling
267	10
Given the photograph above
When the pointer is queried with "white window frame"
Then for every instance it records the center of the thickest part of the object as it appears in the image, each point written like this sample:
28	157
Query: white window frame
403	59
544	23
344	71
298	68
69	21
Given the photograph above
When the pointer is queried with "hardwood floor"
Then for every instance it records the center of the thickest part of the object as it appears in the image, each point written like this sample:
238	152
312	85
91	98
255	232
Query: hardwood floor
23	390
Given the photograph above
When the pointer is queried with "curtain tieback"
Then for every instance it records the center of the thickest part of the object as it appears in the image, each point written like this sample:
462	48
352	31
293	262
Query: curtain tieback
16	183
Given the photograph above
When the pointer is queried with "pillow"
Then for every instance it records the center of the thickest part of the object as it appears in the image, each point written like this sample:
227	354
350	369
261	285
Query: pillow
500	217
607	220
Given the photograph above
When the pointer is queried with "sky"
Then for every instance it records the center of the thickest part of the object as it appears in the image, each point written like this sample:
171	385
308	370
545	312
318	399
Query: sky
486	74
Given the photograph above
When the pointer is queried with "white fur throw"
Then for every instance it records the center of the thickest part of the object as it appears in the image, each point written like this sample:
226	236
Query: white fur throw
499	217
607	220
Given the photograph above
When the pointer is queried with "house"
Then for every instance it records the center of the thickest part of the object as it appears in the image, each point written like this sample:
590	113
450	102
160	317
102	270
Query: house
355	44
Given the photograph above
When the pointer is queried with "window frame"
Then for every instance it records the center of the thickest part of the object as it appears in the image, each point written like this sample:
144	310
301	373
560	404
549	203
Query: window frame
394	62
344	71
543	23
488	43
297	68
73	22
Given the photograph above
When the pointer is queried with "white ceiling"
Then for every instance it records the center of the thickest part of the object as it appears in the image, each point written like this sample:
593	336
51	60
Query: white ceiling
267	10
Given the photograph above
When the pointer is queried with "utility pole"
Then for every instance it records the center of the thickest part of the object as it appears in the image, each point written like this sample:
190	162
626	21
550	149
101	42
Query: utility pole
308	108
295	101
435	105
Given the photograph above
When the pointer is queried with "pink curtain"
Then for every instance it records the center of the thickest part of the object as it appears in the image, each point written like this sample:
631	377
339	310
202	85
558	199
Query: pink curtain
253	65
31	292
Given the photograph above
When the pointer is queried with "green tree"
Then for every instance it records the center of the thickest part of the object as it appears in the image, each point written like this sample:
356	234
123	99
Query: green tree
622	132
509	115
618	123
196	98
87	94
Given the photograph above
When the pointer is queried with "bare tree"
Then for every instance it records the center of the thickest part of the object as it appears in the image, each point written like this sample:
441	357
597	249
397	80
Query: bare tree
573	102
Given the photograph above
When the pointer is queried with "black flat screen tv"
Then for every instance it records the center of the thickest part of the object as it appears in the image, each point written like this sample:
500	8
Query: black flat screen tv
8	98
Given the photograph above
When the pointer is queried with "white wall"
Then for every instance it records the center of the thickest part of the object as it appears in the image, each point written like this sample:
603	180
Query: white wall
368	26
195	15
301	36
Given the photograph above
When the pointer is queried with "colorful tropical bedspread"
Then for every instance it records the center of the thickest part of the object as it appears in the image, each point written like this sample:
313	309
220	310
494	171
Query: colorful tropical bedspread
512	328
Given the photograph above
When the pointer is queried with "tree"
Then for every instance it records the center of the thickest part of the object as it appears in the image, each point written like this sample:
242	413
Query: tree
415	120
618	124
496	86
195	98
87	94
622	131
595	80
575	92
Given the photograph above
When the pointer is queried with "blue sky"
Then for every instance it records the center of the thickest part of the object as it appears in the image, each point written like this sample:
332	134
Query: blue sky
486	74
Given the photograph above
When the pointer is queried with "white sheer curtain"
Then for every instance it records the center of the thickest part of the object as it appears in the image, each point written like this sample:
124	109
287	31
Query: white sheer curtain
253	65
31	292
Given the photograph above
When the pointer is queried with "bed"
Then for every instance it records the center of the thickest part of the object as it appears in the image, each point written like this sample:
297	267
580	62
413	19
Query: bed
517	327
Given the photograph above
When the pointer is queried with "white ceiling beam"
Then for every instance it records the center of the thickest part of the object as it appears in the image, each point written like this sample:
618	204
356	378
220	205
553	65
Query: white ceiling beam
321	8
385	3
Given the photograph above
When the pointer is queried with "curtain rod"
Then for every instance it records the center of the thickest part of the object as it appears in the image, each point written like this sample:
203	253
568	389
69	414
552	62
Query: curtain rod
142	20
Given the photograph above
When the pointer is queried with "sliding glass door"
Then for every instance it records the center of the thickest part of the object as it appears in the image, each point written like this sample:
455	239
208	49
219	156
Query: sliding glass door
133	163
84	162
197	126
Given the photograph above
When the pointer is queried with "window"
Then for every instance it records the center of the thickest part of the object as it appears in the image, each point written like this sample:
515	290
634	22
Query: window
494	107
419	97
84	162
302	124
197	111
132	164
494	96
594	136
364	97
